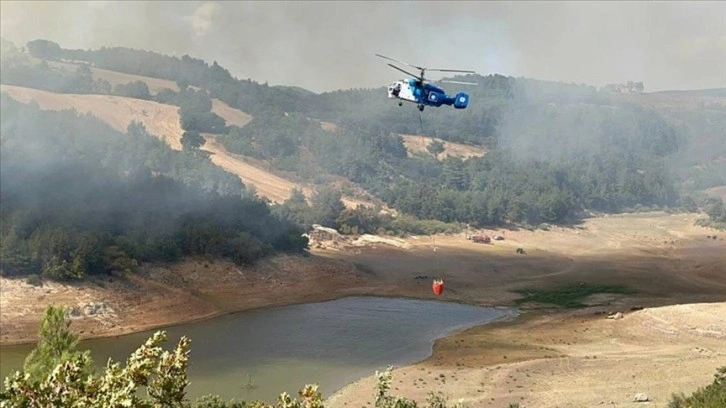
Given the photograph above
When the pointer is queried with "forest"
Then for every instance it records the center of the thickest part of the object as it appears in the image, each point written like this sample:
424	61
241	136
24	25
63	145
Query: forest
79	198
554	151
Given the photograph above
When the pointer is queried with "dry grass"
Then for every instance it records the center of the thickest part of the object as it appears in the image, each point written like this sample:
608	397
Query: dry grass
419	144
231	115
275	188
163	121
159	119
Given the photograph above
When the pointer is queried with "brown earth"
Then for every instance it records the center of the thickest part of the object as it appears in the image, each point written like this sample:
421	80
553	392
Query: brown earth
275	188
159	119
162	121
114	77
547	357
556	358
231	115
162	295
418	144
568	360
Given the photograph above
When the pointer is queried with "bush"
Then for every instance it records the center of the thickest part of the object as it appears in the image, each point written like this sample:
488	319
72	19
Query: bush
710	396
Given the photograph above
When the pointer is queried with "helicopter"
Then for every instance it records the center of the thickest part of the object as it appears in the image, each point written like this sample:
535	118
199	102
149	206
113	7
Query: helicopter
422	92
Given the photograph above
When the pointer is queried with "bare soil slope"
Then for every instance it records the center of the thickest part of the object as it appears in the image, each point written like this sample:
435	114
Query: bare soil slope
570	361
536	359
159	119
419	144
231	115
275	188
163	121
161	295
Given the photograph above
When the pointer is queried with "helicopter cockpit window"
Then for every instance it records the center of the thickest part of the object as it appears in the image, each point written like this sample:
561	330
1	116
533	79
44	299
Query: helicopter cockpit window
396	88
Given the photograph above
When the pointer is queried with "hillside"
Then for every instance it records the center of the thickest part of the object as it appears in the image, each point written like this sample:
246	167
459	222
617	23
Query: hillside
717	192
163	121
80	198
159	119
420	144
156	85
554	151
145	205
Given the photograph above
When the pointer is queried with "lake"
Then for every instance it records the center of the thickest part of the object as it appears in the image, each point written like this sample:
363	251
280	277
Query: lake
281	349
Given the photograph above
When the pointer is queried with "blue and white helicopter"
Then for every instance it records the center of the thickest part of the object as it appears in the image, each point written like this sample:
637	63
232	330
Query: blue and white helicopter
424	93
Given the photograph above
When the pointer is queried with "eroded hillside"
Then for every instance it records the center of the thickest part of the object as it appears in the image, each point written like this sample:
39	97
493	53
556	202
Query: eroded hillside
162	121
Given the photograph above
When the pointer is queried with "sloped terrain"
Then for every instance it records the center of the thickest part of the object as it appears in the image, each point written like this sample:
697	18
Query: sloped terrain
571	361
420	144
163	121
231	115
115	78
159	119
717	192
275	188
576	357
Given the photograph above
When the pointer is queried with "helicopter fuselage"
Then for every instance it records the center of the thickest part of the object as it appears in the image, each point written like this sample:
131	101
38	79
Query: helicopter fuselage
425	94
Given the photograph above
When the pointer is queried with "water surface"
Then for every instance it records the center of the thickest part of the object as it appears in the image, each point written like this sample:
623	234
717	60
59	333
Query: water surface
283	348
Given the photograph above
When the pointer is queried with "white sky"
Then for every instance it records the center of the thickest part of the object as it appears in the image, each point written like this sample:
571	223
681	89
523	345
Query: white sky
330	45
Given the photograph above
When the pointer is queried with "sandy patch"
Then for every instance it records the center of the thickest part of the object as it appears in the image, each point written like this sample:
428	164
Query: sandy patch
159	119
568	361
158	296
419	144
163	121
277	189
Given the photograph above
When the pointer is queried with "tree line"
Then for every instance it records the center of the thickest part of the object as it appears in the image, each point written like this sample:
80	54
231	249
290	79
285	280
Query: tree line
554	149
79	198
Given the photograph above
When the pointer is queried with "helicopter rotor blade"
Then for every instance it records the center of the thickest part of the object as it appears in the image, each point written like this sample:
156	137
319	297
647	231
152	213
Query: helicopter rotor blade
405	72
400	62
459	82
451	70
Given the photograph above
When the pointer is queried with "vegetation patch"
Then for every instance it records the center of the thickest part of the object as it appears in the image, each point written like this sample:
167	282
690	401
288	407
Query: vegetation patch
710	396
570	296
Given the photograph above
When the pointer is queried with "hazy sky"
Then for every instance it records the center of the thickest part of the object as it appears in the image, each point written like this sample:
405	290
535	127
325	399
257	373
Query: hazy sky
329	45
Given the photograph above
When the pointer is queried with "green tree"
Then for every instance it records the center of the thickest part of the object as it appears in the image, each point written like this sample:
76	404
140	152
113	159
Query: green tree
436	147
192	140
56	344
135	89
44	49
326	206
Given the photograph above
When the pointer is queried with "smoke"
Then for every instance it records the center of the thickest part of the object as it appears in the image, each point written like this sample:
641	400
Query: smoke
330	45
